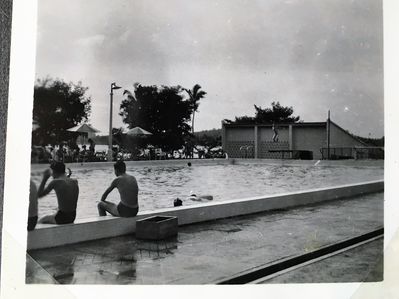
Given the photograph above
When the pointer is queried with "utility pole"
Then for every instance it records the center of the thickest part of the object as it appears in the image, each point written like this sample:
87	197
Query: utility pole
113	86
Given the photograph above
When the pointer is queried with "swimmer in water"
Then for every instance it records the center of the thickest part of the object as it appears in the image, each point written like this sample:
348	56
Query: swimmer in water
196	197
177	202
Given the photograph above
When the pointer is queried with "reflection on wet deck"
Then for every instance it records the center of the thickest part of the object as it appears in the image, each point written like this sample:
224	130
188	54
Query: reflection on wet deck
207	252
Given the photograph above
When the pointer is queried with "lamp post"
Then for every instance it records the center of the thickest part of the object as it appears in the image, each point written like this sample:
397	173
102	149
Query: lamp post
113	86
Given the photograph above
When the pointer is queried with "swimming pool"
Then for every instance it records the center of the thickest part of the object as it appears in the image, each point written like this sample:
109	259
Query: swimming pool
160	184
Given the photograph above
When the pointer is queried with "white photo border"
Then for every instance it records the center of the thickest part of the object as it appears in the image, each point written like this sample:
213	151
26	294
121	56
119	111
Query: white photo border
17	172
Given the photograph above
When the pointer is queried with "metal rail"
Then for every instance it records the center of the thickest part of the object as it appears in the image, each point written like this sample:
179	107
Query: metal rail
265	272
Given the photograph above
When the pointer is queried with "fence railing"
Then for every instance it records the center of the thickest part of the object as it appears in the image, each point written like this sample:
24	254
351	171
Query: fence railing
340	153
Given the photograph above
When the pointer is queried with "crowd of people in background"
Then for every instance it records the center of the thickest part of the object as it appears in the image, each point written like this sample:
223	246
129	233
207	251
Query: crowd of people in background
64	152
71	152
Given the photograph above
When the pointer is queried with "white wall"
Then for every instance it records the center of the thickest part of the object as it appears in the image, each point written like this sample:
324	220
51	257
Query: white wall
309	138
266	133
340	138
240	134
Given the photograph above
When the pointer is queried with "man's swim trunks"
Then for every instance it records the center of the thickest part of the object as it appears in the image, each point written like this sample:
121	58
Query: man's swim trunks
125	211
32	221
65	217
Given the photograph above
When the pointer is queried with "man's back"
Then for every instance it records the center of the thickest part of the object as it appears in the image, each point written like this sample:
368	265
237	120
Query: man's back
32	200
67	191
128	189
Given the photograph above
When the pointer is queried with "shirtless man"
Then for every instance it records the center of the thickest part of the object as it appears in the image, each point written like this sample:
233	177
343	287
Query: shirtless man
128	190
67	191
32	214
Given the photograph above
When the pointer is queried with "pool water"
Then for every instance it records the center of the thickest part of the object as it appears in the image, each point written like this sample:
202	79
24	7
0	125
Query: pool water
159	185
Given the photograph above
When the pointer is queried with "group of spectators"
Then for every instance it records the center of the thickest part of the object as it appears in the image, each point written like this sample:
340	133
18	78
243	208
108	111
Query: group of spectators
71	152
64	152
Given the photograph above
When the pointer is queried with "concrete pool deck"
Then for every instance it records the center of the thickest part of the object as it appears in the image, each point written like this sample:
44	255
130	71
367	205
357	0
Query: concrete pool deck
86	229
363	263
208	252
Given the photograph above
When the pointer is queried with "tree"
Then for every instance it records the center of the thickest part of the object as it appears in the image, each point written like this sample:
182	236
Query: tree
163	111
195	96
58	106
118	138
209	138
242	120
371	141
276	114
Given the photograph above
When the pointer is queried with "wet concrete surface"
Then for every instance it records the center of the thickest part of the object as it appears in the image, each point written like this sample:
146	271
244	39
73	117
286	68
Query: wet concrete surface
363	263
36	274
208	252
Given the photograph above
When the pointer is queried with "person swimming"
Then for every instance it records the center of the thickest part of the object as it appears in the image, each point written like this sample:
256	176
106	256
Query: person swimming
66	190
128	190
177	202
196	197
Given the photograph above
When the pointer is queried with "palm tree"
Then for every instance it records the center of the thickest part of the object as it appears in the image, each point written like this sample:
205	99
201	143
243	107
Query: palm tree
129	94
195	95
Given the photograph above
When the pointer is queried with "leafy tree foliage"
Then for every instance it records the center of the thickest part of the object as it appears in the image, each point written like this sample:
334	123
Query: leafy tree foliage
126	142
58	106
371	141
209	138
163	111
118	138
275	114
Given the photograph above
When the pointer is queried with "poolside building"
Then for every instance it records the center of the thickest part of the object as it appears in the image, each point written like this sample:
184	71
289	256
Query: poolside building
303	140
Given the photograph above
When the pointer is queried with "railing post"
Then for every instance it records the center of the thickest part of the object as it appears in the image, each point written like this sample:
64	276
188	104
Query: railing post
256	142
290	145
328	136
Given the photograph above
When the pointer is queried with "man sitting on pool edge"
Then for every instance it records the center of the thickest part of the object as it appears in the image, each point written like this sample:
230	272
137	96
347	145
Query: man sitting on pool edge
128	190
67	191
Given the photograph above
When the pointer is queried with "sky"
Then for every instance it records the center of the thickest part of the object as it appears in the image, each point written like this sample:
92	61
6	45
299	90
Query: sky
309	54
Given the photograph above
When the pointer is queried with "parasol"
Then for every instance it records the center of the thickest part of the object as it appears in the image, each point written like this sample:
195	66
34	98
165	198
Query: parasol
137	131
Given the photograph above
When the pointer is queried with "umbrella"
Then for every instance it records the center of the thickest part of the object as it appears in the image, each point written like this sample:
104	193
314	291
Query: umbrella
216	148
83	129
137	131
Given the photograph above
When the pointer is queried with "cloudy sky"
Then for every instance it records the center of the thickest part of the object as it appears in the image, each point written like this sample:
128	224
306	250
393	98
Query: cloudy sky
310	54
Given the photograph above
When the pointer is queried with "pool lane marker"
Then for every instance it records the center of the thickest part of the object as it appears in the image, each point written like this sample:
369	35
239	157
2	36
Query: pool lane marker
265	272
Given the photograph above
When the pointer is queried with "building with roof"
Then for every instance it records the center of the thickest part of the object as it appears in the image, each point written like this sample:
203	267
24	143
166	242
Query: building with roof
303	140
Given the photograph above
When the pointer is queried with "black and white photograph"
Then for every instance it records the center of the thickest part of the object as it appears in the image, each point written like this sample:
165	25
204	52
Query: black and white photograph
197	143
